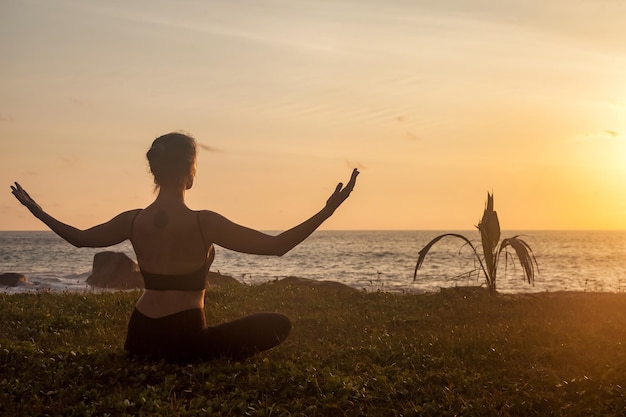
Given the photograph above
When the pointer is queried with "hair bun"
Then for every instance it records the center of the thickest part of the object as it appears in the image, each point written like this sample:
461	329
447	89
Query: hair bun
172	159
156	151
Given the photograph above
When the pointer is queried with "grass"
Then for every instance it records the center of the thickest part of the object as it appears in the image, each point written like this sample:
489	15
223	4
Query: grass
350	353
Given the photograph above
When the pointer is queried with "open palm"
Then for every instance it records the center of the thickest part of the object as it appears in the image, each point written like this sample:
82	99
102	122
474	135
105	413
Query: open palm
341	192
24	198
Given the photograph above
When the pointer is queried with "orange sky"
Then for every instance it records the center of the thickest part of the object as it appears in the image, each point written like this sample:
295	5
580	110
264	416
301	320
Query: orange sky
437	103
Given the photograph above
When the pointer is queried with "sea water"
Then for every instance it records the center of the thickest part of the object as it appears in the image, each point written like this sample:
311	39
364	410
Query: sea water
368	260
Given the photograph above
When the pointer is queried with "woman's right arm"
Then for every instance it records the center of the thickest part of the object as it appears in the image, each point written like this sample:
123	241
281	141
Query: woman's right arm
106	234
239	238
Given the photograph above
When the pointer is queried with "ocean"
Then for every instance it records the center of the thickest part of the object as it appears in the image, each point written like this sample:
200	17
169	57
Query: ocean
367	260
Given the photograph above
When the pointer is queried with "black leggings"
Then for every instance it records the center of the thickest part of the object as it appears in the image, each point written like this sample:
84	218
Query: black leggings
184	336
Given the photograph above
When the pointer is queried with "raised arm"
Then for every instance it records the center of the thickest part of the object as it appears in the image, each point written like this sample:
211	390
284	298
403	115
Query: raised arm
110	233
232	236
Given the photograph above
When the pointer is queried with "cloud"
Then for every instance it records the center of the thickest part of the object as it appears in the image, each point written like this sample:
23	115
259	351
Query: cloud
78	102
207	147
6	118
355	164
407	133
258	24
411	136
605	135
69	162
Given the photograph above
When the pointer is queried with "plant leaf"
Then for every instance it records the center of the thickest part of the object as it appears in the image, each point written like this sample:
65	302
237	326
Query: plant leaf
524	254
422	253
489	227
489	223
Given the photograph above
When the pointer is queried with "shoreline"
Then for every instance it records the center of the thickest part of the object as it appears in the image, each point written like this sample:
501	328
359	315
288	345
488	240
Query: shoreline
220	280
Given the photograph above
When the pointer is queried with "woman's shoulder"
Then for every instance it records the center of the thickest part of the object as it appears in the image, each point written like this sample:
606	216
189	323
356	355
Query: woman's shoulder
211	219
207	215
128	214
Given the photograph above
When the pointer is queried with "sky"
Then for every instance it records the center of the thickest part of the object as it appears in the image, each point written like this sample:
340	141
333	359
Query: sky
436	102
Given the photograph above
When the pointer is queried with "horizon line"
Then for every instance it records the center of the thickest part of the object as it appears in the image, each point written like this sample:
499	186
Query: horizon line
396	230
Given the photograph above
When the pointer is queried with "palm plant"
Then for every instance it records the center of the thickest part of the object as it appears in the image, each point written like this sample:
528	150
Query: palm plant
489	228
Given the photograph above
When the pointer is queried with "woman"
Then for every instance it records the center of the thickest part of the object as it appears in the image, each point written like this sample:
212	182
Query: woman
174	249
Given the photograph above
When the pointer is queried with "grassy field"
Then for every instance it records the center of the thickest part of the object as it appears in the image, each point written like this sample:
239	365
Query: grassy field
350	353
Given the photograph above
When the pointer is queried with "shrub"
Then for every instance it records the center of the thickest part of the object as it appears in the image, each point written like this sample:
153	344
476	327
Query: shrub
489	228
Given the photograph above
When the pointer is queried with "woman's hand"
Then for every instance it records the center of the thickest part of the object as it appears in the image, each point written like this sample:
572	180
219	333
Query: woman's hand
341	192
25	199
103	235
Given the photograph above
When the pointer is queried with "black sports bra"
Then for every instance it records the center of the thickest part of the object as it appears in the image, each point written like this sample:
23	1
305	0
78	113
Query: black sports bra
192	281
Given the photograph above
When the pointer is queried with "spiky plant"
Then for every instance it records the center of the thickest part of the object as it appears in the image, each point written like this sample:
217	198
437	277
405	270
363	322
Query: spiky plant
489	228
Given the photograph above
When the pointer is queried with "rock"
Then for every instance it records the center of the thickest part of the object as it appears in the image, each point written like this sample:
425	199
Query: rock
12	279
305	282
465	291
217	280
114	270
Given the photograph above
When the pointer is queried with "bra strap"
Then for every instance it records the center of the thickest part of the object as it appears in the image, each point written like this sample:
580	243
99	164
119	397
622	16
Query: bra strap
206	247
132	223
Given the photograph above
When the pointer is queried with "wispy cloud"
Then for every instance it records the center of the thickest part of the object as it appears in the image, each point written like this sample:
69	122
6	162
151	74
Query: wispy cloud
411	136
258	24
6	118
69	162
207	147
78	102
355	164
407	132
605	135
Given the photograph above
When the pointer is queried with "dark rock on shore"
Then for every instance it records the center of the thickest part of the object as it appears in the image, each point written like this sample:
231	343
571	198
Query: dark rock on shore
12	279
216	279
115	270
305	282
466	291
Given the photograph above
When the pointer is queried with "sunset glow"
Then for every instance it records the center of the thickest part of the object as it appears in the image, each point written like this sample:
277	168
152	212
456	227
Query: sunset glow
437	103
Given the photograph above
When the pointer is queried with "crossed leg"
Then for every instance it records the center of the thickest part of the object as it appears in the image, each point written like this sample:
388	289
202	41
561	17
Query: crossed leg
246	336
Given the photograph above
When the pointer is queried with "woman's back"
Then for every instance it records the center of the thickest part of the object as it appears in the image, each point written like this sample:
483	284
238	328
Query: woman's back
168	239
173	255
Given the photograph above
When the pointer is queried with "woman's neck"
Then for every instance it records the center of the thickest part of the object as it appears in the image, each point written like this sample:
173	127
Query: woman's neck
171	195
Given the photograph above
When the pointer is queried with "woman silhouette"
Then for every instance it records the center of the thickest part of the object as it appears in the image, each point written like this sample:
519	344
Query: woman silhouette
174	249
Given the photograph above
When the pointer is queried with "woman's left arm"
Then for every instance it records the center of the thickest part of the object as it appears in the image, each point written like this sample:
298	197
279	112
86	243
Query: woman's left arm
106	234
243	239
